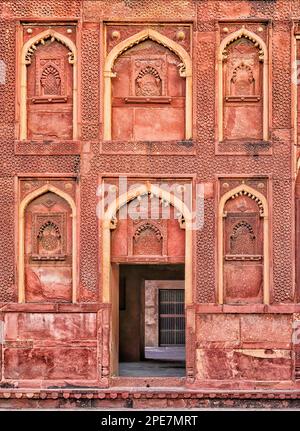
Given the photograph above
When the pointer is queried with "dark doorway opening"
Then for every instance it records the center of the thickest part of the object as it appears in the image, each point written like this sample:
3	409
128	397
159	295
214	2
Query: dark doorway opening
151	321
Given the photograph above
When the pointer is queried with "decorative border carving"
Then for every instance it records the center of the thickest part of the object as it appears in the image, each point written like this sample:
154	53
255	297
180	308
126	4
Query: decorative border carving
38	148
147	395
153	148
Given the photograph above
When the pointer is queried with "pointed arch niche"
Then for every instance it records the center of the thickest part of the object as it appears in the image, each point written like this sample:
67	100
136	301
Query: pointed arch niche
110	270
148	81
243	80
243	247
48	88
108	223
47	261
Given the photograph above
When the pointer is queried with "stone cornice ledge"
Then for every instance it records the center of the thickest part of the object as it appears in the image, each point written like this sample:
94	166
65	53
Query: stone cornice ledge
154	393
249	308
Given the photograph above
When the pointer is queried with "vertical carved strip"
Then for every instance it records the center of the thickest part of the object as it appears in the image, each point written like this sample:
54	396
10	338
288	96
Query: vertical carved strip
90	64
7	243
7	86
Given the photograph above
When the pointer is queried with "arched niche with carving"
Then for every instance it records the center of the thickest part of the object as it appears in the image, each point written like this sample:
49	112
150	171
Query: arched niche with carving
156	234
243	87
111	223
48	108
148	90
47	247
243	247
113	230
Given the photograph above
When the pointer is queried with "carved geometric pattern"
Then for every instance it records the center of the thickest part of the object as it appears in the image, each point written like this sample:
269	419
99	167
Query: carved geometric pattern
50	75
148	240
49	236
242	238
49	203
242	224
149	75
146	226
242	80
148	82
51	81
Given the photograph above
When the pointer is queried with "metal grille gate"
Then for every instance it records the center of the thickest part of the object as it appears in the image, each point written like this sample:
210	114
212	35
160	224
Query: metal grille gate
171	317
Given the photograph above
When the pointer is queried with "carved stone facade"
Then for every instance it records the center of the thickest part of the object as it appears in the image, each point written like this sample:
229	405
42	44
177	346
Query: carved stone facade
148	95
164	93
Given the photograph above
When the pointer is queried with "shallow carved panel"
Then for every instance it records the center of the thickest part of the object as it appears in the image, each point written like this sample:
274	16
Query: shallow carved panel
148	95
49	236
50	80
148	75
147	240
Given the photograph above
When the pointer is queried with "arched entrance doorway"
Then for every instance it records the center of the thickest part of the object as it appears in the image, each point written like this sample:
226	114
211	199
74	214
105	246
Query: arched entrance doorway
145	250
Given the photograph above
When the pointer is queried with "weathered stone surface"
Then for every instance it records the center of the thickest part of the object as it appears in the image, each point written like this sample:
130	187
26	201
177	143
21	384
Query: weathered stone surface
254	364
216	328
266	328
51	327
50	363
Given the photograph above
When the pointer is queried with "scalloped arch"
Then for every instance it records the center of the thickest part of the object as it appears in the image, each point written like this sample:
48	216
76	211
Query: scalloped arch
156	37
247	34
144	190
245	190
30	46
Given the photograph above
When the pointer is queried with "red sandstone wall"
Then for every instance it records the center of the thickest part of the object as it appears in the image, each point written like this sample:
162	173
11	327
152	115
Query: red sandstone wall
67	343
